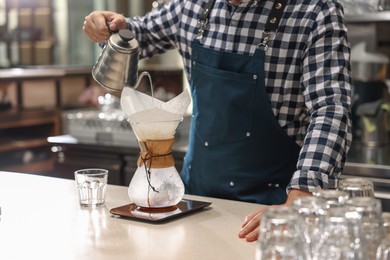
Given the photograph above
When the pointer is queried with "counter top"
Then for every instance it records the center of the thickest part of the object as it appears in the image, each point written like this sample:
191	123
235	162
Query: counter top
41	219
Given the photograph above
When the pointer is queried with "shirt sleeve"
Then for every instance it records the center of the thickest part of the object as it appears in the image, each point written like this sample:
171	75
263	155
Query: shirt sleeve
156	32
327	93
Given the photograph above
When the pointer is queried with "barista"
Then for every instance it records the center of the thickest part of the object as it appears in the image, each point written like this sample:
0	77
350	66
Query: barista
270	84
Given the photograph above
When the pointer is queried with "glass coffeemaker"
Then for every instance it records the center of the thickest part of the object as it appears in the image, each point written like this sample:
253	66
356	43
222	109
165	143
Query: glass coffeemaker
156	183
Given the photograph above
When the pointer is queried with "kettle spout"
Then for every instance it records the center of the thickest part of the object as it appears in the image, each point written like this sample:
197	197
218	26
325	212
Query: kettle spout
143	74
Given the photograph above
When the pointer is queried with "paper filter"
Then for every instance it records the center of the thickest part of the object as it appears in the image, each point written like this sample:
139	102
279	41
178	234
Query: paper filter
151	118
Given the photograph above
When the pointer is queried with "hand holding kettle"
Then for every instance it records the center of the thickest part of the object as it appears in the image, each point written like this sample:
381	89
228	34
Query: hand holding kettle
117	65
95	25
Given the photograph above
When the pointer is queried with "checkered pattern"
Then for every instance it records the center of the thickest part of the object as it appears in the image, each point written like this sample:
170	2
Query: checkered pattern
307	69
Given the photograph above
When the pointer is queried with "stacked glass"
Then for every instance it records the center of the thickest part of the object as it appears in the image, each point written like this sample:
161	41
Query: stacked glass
383	252
280	237
342	224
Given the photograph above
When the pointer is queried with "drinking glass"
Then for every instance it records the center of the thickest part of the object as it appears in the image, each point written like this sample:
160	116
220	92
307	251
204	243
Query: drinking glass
310	209
357	187
91	184
370	210
383	251
280	235
341	236
332	198
386	221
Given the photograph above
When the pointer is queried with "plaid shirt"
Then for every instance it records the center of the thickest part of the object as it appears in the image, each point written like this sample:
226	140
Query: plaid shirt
307	70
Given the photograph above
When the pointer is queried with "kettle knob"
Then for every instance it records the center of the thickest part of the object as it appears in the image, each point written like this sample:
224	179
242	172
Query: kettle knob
126	35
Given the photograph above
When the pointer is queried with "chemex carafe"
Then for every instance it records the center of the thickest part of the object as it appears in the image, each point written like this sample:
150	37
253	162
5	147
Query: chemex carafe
156	183
117	65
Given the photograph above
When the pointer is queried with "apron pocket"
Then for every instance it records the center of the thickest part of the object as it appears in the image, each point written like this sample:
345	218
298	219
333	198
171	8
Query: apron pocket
223	104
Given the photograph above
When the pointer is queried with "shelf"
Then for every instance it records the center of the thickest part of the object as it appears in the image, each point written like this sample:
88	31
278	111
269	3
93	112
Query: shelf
27	143
383	16
14	118
23	139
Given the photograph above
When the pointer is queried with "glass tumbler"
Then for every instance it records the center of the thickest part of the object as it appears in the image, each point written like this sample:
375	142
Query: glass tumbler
332	198
357	187
310	209
370	210
280	235
91	184
341	236
383	251
386	221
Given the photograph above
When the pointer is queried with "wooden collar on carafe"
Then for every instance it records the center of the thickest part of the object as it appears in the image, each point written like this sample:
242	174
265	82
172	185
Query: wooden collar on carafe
156	153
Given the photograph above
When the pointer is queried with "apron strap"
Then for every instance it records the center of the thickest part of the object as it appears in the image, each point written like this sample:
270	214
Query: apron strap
275	16
204	18
273	22
205	15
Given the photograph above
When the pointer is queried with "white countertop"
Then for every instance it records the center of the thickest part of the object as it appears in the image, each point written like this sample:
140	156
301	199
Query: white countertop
41	219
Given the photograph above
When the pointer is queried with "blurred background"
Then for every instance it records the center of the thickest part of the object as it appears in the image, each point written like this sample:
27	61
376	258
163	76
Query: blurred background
42	32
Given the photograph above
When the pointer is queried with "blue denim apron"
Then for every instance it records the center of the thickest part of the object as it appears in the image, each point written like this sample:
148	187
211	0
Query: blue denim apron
237	150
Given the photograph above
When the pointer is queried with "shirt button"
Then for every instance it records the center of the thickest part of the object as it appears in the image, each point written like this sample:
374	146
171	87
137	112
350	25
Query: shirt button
248	134
206	144
231	183
189	167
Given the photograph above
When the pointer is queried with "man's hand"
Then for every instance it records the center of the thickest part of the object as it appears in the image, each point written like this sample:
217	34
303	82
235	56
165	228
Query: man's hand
95	24
250	227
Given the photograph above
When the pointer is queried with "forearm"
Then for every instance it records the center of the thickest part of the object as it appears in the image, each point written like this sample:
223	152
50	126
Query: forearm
294	193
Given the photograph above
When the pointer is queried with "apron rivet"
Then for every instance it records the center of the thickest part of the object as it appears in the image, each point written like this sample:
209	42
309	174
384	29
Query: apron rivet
269	184
231	184
254	76
276	185
206	144
248	134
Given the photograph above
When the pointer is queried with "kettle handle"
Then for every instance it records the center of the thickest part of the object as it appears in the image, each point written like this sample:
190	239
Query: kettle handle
109	30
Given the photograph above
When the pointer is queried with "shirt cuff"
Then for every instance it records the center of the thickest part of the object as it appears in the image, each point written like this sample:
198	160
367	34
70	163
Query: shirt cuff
311	181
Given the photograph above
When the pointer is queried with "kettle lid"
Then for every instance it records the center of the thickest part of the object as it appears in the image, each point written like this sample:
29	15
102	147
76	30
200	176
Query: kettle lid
124	41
